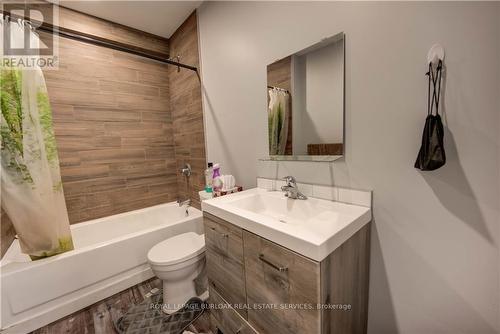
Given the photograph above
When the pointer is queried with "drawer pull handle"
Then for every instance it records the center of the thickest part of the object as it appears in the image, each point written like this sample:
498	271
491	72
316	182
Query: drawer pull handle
269	263
223	235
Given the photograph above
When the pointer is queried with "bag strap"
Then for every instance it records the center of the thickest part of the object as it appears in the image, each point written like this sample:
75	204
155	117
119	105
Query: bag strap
436	95
439	75
429	91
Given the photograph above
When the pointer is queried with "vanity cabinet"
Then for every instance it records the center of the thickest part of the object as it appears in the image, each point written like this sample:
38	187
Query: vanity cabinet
277	276
277	291
225	266
226	318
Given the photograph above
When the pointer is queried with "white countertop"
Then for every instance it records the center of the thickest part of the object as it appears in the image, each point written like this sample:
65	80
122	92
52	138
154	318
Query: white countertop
313	227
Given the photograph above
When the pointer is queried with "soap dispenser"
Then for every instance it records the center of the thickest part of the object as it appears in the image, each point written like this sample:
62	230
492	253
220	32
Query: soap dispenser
209	177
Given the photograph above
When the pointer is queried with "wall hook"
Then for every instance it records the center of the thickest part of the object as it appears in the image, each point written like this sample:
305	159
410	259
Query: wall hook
435	54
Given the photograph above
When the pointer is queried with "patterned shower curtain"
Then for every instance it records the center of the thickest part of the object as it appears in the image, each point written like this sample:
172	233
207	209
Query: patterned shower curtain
31	187
278	121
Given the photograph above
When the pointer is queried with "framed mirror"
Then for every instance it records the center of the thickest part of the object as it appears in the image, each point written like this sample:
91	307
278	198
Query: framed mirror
306	103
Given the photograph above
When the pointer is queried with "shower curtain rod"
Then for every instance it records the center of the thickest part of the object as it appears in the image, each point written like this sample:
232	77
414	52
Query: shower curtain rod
94	40
279	88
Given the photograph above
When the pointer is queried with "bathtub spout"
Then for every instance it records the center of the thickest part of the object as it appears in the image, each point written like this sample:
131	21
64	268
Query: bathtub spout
187	203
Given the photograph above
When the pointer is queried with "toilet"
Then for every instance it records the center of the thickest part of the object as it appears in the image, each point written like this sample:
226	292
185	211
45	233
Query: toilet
178	261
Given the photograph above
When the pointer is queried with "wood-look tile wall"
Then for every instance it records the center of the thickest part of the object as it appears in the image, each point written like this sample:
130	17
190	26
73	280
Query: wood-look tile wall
113	128
112	120
279	73
187	113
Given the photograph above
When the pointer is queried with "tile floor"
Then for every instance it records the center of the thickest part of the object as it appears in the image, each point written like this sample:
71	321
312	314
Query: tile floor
98	318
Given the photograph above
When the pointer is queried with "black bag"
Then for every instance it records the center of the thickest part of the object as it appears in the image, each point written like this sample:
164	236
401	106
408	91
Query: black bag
431	155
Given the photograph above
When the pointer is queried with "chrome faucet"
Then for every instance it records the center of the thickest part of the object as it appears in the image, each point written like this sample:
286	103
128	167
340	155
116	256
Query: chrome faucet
291	190
187	203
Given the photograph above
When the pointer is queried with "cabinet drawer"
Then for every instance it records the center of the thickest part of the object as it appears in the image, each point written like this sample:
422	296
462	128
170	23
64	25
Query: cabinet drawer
224	253
226	318
278	277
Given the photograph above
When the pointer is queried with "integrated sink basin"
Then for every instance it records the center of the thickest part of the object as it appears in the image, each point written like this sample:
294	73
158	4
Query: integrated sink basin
313	227
310	213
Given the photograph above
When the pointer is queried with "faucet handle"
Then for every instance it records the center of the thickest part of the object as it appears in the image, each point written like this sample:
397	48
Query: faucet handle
186	170
289	180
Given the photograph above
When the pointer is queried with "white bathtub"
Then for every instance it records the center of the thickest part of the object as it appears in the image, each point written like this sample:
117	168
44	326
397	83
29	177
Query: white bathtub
109	256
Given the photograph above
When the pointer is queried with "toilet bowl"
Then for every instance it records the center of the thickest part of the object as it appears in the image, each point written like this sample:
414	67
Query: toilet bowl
178	262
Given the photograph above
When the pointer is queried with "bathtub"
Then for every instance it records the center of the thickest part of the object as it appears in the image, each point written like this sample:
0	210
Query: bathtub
110	255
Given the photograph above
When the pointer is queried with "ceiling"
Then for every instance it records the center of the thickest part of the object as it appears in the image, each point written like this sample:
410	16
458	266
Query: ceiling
161	18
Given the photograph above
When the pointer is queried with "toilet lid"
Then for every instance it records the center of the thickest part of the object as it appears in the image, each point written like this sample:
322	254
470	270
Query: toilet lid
177	249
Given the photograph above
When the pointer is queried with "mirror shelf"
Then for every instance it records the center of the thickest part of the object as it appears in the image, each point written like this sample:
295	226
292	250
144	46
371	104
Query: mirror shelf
313	158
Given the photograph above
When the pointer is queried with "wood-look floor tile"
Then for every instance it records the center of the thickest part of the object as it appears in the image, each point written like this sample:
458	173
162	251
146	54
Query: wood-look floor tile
99	318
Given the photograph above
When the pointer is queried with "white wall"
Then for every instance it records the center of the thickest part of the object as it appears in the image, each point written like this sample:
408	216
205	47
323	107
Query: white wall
435	257
318	97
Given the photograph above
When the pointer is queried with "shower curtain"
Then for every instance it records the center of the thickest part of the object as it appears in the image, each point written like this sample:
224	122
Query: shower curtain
278	121
31	187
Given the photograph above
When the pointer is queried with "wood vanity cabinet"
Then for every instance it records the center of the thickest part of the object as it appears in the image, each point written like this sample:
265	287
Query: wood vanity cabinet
226	318
277	291
225	264
277	276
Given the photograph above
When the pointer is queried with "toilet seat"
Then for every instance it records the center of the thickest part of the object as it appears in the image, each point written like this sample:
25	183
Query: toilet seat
177	249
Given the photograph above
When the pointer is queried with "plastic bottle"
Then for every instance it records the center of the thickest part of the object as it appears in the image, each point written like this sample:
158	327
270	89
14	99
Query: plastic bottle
209	177
216	180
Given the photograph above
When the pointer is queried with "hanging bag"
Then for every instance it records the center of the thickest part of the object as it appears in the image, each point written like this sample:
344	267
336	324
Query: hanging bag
432	155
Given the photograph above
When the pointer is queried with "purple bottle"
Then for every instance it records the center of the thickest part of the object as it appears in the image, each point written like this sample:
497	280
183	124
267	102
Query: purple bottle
216	181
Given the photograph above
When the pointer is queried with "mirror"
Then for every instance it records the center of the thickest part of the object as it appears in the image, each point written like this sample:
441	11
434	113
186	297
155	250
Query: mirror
306	103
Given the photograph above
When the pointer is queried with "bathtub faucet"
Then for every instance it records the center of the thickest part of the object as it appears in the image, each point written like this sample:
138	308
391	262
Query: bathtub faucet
187	203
